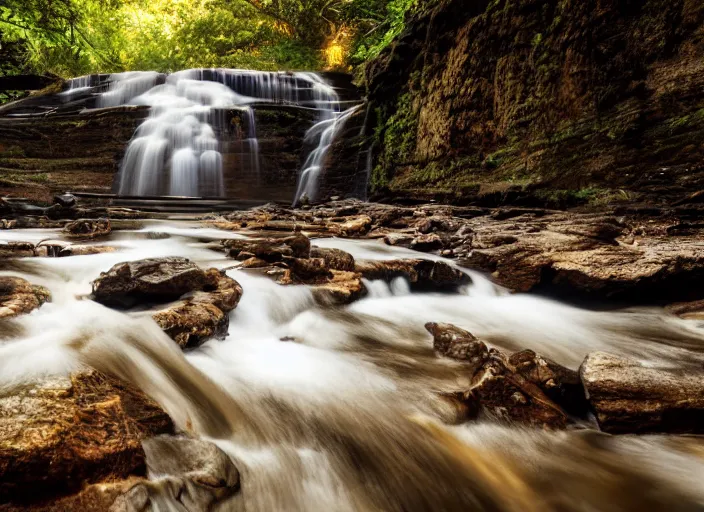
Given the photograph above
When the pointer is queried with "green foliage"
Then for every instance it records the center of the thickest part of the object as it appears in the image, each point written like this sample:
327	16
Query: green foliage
378	23
76	37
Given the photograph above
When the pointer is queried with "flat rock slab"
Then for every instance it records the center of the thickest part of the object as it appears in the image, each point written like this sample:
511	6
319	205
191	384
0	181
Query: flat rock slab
153	279
19	296
630	397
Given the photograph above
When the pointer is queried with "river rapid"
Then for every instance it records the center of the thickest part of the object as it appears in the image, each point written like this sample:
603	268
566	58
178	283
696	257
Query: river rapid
339	408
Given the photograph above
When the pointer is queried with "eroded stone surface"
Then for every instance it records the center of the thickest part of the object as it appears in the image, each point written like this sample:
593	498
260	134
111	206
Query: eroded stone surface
57	434
629	396
498	389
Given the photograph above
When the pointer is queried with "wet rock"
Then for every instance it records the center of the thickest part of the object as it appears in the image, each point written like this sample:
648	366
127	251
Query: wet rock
154	279
202	315
341	287
307	270
420	273
17	250
357	226
426	243
630	397
66	200
335	259
497	388
194	472
58	434
84	250
399	239
593	255
692	310
451	341
269	249
18	296
254	262
562	385
88	228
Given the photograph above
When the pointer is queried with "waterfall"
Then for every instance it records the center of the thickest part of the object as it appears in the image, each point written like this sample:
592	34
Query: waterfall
325	133
175	151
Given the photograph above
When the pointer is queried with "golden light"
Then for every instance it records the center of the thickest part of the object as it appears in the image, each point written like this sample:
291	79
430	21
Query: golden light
337	48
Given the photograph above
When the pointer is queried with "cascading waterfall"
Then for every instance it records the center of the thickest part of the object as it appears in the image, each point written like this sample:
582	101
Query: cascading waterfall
325	133
175	151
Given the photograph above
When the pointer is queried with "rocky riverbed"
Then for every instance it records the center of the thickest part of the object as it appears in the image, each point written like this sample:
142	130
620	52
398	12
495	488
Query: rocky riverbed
278	358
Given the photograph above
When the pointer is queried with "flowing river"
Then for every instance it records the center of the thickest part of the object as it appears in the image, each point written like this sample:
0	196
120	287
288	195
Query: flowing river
338	408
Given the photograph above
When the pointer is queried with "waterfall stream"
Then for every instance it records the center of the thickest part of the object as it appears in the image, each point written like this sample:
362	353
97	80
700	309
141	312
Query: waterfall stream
175	151
338	408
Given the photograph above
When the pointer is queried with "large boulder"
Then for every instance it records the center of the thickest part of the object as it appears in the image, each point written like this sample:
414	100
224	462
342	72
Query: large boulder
58	434
19	296
631	397
148	280
193	304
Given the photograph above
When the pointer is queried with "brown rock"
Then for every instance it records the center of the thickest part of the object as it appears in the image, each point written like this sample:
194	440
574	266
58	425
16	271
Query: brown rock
629	397
562	385
155	279
497	388
426	243
356	226
83	250
420	273
64	432
335	259
17	250
19	296
342	288
269	249
451	341
202	315
88	228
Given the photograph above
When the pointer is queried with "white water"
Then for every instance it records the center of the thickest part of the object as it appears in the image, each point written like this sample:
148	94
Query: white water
329	421
176	150
325	133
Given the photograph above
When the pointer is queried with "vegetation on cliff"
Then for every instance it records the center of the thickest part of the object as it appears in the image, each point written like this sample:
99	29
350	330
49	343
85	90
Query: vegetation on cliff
574	100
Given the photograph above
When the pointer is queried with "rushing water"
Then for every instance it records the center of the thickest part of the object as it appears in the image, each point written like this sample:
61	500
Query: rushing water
176	150
345	415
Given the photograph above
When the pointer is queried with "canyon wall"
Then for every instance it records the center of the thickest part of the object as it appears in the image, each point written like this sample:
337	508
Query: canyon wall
561	100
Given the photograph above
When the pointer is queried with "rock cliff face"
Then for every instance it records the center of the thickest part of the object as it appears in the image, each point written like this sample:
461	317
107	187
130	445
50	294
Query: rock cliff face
568	100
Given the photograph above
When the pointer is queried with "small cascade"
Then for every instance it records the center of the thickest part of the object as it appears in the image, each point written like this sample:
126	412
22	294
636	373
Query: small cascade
175	151
78	84
324	132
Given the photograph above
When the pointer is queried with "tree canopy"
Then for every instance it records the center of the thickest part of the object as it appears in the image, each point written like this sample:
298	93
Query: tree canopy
76	37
